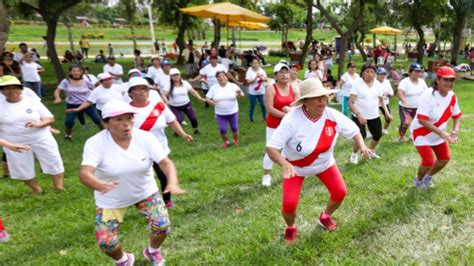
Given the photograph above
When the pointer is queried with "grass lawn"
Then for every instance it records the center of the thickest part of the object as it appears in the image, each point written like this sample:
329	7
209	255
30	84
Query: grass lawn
227	217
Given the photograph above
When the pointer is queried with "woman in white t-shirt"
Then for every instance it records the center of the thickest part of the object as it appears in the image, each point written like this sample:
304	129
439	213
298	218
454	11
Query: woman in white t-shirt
154	116
256	79
366	97
118	165
223	96
387	91
30	73
176	96
436	106
313	71
409	92
26	121
307	135
347	79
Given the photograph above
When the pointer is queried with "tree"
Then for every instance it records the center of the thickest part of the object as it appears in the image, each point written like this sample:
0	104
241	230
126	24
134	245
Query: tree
4	25
356	11
284	14
50	12
309	30
129	8
462	10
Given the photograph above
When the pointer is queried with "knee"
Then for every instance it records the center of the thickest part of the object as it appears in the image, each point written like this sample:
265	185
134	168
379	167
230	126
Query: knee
444	161
427	162
160	225
338	195
107	241
289	206
377	136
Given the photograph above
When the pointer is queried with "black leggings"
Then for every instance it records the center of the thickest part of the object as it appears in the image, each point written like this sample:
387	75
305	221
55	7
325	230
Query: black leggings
163	182
375	128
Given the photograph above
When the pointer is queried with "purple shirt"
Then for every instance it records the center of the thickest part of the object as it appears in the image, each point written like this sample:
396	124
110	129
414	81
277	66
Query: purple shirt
76	94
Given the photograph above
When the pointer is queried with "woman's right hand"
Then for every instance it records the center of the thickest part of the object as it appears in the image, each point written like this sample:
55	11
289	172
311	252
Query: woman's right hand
18	147
72	110
57	100
362	120
288	170
106	187
448	138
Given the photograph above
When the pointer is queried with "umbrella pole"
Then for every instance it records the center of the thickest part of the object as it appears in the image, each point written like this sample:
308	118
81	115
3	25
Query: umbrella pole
227	30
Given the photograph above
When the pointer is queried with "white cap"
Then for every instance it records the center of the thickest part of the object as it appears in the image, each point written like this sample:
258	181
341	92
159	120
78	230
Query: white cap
136	81
133	70
115	108
174	71
279	66
104	76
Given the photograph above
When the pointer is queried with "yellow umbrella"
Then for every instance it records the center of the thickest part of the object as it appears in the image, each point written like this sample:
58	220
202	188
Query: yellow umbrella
385	30
226	12
248	25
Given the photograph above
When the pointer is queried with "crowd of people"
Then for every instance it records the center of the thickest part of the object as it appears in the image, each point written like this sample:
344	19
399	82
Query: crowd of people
132	117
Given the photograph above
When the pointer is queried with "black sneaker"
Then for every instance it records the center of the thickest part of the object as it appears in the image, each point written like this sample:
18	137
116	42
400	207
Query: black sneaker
68	137
197	132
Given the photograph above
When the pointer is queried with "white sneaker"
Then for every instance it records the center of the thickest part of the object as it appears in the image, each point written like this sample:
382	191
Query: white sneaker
385	131
267	180
368	136
418	184
428	181
375	155
354	158
184	123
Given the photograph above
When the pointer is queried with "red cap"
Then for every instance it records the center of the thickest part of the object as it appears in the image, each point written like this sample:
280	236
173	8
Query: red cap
445	72
213	57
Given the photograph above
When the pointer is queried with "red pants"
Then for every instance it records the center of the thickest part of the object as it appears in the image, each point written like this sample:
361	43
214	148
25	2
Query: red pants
331	178
426	153
1	224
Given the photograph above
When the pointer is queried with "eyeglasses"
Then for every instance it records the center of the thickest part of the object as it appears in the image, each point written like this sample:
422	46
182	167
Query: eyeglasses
450	80
283	73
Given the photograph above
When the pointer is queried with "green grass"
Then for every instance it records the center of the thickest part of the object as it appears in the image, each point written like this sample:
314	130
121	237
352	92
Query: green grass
226	217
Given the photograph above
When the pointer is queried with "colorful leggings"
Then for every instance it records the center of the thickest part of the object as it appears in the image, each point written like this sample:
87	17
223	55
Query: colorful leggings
233	120
152	208
406	115
188	110
426	152
2	227
331	178
253	102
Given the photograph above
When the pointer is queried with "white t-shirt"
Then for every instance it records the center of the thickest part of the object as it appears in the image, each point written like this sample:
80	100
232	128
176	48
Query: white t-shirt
386	88
318	74
19	55
367	100
226	62
258	86
114	70
29	72
412	91
13	117
437	109
152	94
209	73
27	92
348	81
180	95
101	95
225	98
153	72
307	144
132	167
163	80
154	117
91	78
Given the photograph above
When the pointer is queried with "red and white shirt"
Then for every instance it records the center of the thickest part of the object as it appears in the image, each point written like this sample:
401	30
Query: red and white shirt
154	117
437	109
308	144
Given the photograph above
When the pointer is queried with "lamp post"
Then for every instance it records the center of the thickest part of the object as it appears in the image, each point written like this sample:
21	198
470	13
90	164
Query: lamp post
152	30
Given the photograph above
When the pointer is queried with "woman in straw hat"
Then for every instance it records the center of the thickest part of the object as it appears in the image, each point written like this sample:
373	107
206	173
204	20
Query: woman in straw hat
308	134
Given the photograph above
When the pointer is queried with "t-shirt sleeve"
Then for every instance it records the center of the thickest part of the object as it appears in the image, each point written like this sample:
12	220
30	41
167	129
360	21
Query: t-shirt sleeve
155	151
282	134
211	92
120	70
186	85
223	68
167	88
355	88
248	74
169	116
93	96
389	88
424	107
403	84
345	126
63	84
456	110
44	112
92	153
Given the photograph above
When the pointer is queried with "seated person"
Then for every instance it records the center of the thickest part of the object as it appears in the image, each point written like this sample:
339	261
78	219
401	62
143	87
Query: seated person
68	57
100	58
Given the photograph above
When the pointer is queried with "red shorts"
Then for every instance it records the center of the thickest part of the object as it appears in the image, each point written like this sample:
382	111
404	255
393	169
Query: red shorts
426	152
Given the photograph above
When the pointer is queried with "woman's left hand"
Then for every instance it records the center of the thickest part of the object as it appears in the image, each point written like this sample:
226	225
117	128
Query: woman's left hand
174	189
188	137
367	153
390	117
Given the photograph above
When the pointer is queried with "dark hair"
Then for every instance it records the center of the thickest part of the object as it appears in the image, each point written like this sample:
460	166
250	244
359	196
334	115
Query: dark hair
220	72
309	64
106	120
74	66
21	44
367	66
172	84
434	85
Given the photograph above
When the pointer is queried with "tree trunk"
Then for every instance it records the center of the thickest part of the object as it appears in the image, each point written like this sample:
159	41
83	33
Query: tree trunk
134	37
217	33
342	55
4	25
53	54
233	36
309	31
359	43
180	38
457	35
70	35
420	44
285	39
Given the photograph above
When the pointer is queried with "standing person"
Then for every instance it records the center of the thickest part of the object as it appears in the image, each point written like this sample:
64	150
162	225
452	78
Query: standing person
114	69
155	69
307	135
9	66
294	81
30	73
110	49
256	78
163	79
436	106
176	96
366	97
346	82
26	121
138	61
154	116
77	91
223	96
85	45
278	98
387	92
117	165
163	47
313	71
104	93
90	77
321	65
23	50
409	92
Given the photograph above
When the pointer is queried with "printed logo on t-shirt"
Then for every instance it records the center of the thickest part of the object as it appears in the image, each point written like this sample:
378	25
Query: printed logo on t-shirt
29	111
329	131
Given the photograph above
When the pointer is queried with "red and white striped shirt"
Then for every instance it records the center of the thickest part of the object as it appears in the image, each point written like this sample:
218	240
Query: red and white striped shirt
437	109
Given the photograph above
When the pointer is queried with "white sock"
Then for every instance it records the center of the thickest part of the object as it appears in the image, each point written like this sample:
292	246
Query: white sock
123	259
153	250
354	154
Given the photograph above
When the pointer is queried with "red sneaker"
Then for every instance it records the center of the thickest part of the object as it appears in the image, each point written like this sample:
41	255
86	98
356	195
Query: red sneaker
327	222
236	142
226	144
290	235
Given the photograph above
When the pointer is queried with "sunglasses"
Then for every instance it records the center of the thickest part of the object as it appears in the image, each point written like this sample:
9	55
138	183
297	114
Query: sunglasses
451	80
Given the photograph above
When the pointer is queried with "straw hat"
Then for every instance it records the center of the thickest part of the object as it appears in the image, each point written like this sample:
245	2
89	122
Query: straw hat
311	88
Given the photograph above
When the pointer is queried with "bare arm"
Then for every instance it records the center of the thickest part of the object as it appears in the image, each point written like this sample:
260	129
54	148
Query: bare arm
359	141
83	106
87	177
385	109
41	69
168	168
287	169
352	99
164	96
197	95
444	135
401	96
14	147
198	77
179	130
57	95
232	78
45	122
268	99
